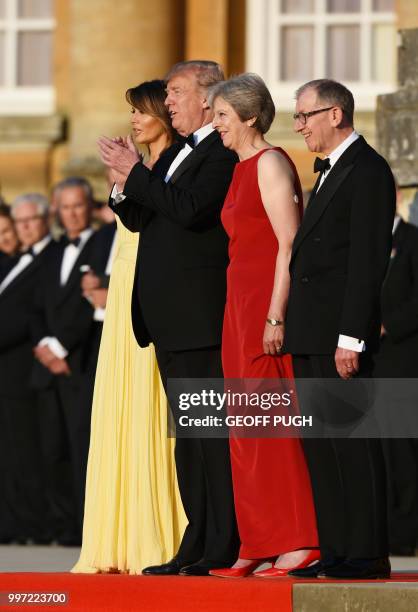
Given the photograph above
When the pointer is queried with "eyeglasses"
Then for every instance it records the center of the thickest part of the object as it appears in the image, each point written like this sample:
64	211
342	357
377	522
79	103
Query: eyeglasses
303	117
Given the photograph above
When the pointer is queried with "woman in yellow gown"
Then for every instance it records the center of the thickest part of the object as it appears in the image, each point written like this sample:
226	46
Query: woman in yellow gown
133	514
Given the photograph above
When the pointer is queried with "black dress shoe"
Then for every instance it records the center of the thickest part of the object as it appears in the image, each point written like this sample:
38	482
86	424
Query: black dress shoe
359	569
312	571
171	568
202	568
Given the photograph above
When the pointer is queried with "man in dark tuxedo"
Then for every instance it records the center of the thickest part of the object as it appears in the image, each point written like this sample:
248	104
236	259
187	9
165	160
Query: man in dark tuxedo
23	501
61	323
398	358
338	264
179	294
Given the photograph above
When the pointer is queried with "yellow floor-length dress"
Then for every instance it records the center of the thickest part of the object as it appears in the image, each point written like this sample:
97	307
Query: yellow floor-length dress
133	512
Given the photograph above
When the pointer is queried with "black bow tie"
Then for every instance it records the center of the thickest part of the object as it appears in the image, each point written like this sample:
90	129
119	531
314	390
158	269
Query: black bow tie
320	165
75	241
30	251
190	141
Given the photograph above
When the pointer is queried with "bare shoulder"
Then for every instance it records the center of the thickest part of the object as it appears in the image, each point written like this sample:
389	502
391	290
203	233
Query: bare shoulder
273	163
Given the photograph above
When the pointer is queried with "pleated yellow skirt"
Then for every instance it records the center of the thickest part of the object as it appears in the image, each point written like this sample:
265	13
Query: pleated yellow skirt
133	512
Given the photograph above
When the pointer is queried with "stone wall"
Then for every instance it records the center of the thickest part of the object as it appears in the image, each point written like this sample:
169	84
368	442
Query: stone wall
397	124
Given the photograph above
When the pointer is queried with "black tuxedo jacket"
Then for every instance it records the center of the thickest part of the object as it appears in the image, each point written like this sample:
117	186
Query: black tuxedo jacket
62	312
16	304
101	251
180	284
340	255
398	353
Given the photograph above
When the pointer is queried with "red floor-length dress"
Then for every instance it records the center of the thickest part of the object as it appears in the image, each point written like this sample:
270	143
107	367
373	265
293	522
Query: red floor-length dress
272	490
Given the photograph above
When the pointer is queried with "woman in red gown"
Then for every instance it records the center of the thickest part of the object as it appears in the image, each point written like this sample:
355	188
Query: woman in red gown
261	214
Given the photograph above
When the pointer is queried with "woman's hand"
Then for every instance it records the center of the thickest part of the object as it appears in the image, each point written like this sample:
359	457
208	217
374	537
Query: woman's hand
273	339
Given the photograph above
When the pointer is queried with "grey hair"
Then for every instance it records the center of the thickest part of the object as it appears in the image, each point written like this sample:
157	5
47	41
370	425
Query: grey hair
74	181
331	92
38	199
207	72
248	95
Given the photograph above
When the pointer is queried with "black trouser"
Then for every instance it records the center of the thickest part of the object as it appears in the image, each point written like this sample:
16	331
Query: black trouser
401	456
347	474
22	492
56	456
203	471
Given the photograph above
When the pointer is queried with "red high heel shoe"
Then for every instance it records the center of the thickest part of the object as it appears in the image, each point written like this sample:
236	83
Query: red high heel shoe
237	572
277	572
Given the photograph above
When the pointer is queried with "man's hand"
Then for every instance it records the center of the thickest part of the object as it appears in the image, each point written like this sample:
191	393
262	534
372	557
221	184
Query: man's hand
347	362
44	355
119	155
59	366
383	331
98	297
89	282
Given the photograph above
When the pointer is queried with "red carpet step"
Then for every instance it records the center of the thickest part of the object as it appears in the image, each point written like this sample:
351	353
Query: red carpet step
109	593
113	592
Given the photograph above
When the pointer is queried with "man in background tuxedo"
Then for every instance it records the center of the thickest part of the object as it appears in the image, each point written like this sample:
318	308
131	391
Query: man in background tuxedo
179	294
398	358
61	324
23	504
339	260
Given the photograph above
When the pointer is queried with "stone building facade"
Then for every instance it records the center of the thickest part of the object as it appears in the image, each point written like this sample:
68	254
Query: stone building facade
102	47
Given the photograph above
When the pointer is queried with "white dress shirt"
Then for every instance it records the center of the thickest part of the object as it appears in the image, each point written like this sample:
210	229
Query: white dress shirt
198	136
336	154
24	261
99	313
345	342
71	253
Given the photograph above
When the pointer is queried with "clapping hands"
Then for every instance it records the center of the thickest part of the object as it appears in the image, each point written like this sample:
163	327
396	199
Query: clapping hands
120	155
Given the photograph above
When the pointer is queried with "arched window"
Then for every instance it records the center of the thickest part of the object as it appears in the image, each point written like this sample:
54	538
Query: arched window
26	57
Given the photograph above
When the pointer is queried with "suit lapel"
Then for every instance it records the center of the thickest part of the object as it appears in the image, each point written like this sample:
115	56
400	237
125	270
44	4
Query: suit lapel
194	156
30	269
320	200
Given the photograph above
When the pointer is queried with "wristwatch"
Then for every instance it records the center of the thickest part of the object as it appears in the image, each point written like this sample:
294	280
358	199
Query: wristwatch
274	322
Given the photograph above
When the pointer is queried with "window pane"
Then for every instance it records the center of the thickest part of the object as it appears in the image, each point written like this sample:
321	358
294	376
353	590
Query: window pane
343	6
34	58
35	8
297	53
343	53
384	53
384	5
297	6
1	58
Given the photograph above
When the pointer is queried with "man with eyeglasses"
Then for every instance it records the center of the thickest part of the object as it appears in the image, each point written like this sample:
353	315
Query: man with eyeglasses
338	264
23	503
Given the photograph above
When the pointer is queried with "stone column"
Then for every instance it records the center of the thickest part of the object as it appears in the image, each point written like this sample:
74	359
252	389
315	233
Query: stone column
397	113
207	31
397	124
113	46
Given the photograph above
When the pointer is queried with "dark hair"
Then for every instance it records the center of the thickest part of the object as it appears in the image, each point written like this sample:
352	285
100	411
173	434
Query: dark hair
148	97
332	92
5	211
